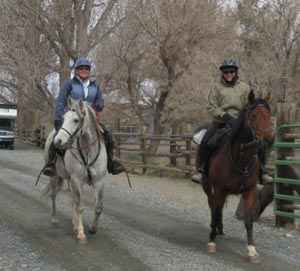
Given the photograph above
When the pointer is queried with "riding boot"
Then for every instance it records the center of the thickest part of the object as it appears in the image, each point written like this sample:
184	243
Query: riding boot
49	169
203	161
264	177
113	166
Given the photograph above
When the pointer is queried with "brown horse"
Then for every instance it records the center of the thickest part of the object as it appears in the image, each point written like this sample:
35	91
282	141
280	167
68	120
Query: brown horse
234	168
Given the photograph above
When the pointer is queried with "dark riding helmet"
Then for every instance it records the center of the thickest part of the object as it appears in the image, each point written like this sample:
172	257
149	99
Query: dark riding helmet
82	62
228	63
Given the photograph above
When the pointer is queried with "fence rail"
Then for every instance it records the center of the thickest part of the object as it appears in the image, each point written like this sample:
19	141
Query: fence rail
161	154
36	137
140	152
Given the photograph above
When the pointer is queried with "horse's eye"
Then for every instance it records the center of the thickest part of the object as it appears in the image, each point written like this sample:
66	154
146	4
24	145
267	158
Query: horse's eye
253	117
76	120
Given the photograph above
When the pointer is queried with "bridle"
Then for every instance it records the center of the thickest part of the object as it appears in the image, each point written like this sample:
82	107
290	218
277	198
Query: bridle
79	127
250	125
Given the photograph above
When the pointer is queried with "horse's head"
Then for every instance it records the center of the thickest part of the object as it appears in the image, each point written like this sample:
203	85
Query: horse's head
258	117
73	124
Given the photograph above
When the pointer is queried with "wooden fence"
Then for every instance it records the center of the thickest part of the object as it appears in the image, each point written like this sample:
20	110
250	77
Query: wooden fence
163	154
172	154
36	137
140	152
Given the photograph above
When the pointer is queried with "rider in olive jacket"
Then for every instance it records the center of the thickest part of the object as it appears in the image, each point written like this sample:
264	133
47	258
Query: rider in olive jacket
227	98
225	101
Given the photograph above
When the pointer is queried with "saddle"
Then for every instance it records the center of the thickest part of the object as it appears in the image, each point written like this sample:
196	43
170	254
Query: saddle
216	139
210	144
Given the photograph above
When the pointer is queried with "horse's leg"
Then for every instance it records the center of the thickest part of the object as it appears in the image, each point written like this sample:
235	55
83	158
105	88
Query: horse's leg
55	183
98	195
77	211
75	216
220	224
217	201
249	201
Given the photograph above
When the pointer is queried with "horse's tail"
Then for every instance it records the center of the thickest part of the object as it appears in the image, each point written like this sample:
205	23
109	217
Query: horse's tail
47	191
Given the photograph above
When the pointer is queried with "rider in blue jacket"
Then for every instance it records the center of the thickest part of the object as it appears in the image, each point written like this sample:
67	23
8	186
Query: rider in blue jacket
81	87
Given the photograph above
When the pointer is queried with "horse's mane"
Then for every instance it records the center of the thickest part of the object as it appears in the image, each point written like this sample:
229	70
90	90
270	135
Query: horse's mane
93	118
240	122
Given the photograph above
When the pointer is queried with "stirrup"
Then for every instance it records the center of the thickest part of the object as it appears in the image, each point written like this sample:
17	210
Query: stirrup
266	178
201	169
115	167
197	178
49	170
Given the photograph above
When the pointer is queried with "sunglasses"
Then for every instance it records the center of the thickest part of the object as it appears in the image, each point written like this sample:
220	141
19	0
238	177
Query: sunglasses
83	68
229	71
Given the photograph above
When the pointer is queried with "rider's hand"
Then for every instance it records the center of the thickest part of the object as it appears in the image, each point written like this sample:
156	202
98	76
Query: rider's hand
229	120
57	124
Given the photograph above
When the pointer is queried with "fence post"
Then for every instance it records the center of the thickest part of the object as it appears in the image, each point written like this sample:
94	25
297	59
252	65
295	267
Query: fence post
173	161
144	147
188	147
43	137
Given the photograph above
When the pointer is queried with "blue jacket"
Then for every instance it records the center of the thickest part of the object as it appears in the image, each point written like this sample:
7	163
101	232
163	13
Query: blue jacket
74	88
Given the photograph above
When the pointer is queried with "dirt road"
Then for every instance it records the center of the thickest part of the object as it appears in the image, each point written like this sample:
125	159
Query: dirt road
160	224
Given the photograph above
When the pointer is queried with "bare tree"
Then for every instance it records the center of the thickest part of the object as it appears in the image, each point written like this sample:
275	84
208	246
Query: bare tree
270	43
44	38
168	43
23	64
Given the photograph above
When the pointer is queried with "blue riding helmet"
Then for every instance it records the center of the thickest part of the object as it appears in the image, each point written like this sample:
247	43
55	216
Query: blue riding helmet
82	62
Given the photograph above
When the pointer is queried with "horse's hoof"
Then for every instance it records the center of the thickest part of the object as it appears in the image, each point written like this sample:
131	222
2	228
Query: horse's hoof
54	221
211	247
254	259
82	240
92	230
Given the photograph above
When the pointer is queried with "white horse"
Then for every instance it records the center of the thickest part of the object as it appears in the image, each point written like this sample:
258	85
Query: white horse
85	161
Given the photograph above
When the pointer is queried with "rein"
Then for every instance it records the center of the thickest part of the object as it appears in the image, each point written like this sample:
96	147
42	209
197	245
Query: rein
84	161
245	171
82	147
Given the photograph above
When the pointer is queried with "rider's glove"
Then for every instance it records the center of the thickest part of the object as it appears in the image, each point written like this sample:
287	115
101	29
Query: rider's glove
57	124
229	120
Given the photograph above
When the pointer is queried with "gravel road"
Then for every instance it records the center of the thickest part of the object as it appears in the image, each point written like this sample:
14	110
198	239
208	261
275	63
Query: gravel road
160	224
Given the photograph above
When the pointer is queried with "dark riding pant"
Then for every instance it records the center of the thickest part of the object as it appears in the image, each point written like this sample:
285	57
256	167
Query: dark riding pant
113	166
208	144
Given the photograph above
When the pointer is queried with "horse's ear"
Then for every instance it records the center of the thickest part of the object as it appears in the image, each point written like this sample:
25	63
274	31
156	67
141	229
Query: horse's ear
251	97
268	97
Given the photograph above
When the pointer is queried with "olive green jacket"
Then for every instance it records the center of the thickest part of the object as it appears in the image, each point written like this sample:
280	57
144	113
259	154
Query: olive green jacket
224	98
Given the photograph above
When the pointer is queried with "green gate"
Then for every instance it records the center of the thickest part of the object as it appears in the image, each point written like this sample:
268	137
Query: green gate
279	143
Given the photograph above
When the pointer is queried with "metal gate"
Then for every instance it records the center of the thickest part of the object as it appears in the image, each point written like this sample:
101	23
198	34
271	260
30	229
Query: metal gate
286	140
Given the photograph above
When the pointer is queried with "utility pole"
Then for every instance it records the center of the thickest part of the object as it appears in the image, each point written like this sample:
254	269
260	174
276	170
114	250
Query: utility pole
283	84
